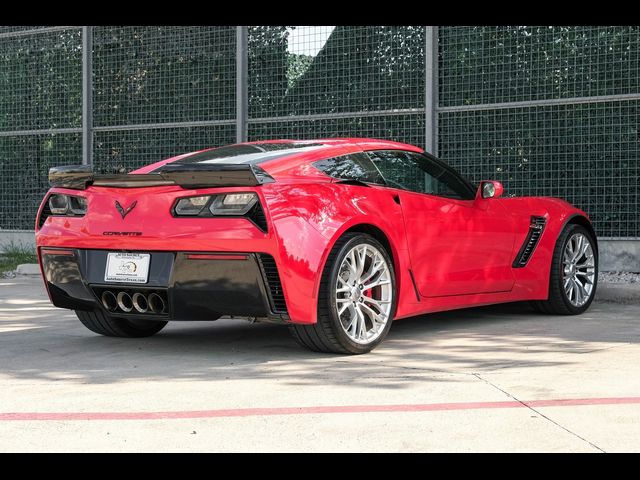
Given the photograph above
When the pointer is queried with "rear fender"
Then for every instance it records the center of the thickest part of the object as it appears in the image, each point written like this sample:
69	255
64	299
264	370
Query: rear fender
309	219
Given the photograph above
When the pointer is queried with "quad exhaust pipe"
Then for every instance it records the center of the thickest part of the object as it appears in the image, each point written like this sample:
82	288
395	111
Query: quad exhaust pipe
109	301
124	302
141	303
156	303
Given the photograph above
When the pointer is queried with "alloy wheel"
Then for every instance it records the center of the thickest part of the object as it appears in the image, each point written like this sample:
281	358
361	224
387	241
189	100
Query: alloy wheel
363	293
578	269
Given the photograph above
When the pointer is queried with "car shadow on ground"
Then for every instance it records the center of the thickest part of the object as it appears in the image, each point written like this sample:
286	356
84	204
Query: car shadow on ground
38	341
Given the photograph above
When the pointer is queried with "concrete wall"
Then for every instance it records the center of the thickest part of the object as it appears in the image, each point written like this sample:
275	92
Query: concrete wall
619	255
615	255
19	237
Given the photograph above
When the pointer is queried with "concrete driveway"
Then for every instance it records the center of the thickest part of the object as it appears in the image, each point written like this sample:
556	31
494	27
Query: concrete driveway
486	379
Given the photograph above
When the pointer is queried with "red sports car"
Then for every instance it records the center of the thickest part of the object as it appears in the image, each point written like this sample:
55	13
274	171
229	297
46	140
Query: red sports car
333	237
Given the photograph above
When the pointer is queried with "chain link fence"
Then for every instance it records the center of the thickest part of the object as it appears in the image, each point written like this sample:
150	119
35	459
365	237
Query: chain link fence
546	110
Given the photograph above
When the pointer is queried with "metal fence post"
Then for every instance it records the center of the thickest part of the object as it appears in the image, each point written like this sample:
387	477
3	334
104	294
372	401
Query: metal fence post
431	88
87	95
242	88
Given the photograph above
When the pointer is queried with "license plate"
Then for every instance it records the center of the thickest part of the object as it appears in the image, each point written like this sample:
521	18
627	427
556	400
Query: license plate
127	267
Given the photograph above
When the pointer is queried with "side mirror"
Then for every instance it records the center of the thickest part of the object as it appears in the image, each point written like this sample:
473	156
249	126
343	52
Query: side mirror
490	189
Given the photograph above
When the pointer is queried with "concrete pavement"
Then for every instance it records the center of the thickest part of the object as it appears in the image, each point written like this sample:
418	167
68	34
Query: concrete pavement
485	379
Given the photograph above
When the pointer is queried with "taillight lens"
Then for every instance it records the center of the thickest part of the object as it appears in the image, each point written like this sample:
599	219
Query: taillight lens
191	206
237	204
241	204
233	203
58	204
67	205
77	205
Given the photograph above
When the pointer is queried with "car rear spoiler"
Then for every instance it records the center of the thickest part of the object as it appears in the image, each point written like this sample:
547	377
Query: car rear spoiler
197	175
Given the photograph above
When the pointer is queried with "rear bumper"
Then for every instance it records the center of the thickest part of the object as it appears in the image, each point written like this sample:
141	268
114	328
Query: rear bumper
195	286
297	247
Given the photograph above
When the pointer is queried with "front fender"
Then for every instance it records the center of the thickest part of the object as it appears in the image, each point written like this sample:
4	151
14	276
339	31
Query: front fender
532	281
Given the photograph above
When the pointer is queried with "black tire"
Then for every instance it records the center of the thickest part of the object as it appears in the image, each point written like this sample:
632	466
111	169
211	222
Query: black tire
327	335
557	302
100	323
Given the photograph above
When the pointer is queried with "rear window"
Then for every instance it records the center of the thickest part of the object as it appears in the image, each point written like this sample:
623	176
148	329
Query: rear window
249	153
354	166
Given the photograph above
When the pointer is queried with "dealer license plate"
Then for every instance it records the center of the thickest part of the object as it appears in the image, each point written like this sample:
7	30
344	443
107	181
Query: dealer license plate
127	267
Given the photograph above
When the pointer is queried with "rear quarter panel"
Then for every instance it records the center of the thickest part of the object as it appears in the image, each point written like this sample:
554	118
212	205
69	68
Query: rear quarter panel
309	218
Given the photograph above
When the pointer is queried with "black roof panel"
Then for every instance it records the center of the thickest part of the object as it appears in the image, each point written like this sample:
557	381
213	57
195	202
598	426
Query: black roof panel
248	153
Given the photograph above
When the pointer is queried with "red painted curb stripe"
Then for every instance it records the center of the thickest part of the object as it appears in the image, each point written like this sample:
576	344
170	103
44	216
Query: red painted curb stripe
248	412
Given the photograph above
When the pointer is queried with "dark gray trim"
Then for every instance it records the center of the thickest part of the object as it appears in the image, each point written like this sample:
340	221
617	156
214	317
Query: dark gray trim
152	126
44	131
329	116
540	103
415	287
36	31
242	88
87	95
431	88
527	249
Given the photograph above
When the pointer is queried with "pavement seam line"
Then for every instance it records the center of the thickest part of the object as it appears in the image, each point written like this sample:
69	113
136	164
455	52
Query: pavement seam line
405	367
526	405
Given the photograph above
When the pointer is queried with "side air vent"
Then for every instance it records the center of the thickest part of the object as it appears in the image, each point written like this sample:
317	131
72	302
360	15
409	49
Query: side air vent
256	215
272	281
46	212
536	227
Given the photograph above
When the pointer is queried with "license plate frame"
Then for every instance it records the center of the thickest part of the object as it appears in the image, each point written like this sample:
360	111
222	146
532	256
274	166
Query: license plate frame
125	267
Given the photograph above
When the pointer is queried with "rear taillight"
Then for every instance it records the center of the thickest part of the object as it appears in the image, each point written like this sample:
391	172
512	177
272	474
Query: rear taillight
62	205
225	204
237	204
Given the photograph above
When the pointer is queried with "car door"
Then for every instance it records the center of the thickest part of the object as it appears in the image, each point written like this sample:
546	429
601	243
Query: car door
457	245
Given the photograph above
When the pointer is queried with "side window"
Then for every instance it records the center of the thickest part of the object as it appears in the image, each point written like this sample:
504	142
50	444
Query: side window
354	166
417	173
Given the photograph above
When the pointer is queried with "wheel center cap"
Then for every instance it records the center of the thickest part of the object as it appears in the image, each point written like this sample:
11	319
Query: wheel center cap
355	294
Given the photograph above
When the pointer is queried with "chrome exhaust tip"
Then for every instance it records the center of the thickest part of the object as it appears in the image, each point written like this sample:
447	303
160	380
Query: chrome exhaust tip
109	301
140	302
156	303
124	302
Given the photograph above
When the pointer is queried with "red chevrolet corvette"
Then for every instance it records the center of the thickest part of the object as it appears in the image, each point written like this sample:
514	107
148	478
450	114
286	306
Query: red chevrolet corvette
334	237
